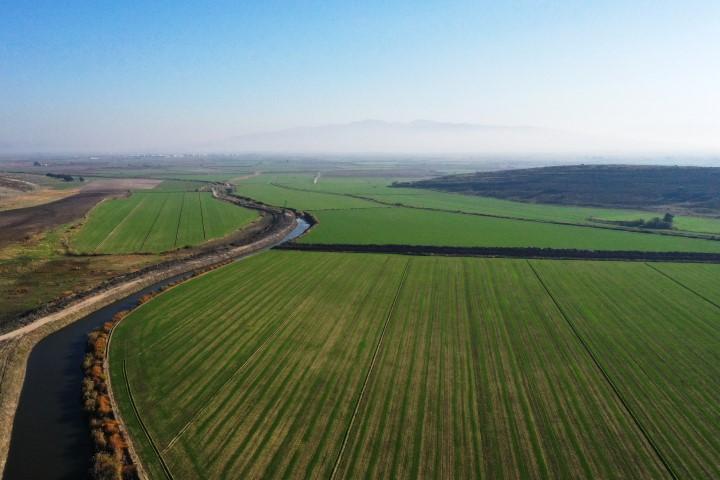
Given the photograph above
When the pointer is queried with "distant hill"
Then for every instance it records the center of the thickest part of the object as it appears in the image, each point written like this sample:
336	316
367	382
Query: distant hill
420	136
679	189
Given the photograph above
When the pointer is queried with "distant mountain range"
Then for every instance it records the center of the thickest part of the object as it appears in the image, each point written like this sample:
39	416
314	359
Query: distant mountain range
420	136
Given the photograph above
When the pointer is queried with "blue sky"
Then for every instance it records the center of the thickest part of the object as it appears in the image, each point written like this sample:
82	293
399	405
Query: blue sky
133	75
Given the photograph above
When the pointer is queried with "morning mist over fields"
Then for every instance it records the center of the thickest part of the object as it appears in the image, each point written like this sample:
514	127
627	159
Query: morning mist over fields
437	77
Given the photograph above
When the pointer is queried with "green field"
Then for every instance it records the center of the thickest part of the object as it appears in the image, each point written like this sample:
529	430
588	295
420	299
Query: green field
681	222
274	195
178	186
421	227
296	365
379	189
344	218
158	221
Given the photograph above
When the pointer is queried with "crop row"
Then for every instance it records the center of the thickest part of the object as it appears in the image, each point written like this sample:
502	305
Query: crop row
157	222
292	365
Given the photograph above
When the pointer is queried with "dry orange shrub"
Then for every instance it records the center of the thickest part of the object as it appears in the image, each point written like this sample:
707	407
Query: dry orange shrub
103	405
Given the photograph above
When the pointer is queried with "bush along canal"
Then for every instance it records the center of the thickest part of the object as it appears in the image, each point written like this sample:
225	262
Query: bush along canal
51	436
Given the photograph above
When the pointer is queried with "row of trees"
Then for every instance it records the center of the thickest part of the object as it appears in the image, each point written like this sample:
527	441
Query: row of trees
64	177
666	222
112	460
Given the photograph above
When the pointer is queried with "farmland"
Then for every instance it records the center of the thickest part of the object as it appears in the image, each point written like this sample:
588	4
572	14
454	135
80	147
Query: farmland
378	189
421	227
655	341
151	222
337	203
295	365
275	195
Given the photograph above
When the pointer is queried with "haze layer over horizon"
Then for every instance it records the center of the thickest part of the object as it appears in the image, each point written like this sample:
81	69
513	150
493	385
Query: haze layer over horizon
131	76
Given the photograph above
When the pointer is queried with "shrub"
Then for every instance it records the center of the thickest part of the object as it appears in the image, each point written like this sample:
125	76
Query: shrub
117	445
110	427
130	472
103	405
88	361
99	439
106	467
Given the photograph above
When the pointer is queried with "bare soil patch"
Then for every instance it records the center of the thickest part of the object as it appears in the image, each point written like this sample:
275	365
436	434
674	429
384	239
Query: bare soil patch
33	198
18	224
120	184
15	184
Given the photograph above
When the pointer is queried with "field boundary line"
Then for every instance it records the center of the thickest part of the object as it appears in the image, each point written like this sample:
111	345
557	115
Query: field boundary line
683	234
177	230
164	466
118	225
510	252
346	437
147	235
202	215
606	376
678	282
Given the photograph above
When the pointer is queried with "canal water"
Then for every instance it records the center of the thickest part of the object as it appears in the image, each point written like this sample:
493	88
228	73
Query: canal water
51	436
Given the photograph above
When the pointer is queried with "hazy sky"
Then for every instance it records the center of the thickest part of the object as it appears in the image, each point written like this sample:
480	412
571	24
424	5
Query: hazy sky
133	75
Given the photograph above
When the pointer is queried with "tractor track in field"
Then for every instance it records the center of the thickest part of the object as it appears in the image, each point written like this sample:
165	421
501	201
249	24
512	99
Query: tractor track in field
121	222
346	437
152	225
677	282
145	430
177	230
606	376
202	217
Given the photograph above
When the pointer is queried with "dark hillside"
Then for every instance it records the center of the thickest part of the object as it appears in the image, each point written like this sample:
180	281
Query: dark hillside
682	189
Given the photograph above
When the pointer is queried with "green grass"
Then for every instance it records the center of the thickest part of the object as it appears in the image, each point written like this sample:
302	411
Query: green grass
178	186
287	364
421	227
34	272
153	222
680	222
660	345
331	193
703	279
273	195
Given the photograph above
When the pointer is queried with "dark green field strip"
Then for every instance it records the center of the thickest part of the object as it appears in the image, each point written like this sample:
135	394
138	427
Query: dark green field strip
659	344
479	377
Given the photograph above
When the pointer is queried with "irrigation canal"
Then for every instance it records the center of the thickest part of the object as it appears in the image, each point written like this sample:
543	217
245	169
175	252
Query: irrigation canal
51	435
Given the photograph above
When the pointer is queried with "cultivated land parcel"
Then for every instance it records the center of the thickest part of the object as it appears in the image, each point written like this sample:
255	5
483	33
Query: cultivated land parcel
336	365
158	221
349	365
366	211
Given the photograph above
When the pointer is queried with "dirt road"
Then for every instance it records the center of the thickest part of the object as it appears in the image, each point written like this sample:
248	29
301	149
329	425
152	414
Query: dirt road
18	343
